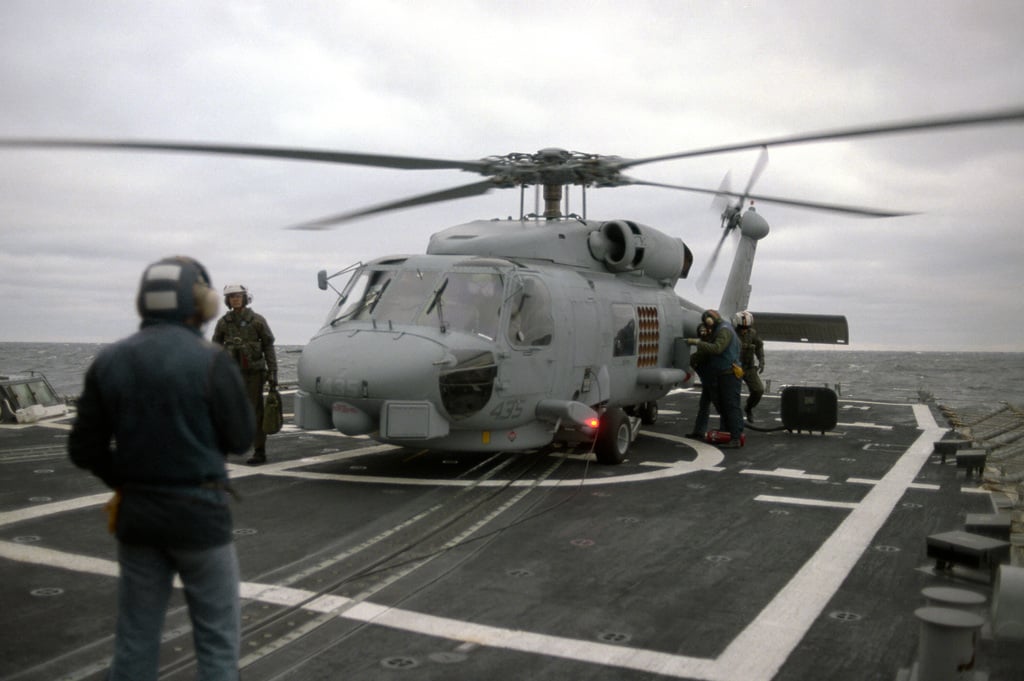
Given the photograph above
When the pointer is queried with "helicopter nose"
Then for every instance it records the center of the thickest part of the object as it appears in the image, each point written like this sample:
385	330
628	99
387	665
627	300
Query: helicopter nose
371	365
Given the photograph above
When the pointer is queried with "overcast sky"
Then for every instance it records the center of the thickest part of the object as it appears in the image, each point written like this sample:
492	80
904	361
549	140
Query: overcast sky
465	80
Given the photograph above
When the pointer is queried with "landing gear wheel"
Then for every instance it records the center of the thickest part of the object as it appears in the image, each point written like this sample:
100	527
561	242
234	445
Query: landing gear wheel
613	437
648	413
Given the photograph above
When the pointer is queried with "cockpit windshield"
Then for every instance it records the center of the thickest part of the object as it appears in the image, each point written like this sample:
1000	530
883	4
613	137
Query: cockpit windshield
457	300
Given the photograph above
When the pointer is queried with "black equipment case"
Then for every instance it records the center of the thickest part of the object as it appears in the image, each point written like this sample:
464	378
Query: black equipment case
810	409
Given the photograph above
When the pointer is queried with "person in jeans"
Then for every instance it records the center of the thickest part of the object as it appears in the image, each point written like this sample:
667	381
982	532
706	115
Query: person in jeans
722	352
159	412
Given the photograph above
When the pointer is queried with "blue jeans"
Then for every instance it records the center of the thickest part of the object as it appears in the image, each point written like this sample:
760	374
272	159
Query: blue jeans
729	403
210	577
708	396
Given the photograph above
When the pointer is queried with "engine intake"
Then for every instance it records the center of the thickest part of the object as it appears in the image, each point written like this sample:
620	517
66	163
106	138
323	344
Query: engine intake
626	246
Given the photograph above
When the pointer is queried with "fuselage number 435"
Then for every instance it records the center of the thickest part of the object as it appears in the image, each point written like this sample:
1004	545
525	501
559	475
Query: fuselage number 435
509	409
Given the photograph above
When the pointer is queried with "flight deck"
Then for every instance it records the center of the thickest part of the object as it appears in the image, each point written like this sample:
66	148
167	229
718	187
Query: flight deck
797	556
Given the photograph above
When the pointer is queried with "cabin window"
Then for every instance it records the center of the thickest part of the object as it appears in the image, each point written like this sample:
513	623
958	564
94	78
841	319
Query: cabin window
530	322
624	324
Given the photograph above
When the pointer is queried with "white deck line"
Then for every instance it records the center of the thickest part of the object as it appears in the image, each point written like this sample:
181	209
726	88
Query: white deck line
784	473
800	501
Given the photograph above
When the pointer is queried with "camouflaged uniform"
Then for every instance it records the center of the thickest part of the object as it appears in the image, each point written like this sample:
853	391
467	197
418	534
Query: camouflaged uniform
248	339
752	361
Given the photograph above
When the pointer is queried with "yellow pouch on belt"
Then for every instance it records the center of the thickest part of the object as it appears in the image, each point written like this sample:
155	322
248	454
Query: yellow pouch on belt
737	371
111	508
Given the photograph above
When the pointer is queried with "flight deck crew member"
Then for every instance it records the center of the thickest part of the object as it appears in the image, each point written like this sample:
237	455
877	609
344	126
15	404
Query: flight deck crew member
751	359
708	389
247	337
723	352
159	412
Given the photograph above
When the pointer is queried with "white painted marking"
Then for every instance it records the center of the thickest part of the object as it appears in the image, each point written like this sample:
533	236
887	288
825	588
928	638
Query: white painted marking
56	425
784	473
974	490
862	424
42	510
799	501
37	555
708	458
915	485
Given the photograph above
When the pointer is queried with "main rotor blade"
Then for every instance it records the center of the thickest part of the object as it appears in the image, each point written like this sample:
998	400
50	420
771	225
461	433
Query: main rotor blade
764	198
474	189
759	166
1001	116
296	154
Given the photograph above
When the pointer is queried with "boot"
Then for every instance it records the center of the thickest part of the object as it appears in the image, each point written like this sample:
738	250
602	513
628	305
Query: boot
258	457
752	401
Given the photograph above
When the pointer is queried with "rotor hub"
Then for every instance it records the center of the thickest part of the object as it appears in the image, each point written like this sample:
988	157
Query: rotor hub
553	166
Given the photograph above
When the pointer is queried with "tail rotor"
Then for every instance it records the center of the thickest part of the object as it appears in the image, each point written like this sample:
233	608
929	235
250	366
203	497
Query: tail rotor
731	211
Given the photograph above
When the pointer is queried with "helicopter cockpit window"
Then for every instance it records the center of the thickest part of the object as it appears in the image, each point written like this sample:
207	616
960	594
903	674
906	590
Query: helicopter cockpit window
624	323
530	322
470	303
404	296
386	295
351	298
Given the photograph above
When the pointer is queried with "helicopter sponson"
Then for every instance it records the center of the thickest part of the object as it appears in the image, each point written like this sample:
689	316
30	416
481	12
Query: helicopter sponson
559	338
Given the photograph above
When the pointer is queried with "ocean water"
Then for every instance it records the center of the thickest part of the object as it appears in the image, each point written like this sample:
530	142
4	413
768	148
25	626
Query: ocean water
960	380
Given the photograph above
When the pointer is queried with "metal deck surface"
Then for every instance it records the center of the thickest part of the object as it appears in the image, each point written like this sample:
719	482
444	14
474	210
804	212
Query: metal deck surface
799	556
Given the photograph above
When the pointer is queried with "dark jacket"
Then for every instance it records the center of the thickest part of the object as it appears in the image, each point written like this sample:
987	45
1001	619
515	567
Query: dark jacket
159	412
723	350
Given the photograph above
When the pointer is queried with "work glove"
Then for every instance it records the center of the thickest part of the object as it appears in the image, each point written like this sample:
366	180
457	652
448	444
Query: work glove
692	341
272	380
760	368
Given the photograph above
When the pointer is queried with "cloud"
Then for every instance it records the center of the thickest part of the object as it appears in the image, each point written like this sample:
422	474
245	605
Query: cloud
464	79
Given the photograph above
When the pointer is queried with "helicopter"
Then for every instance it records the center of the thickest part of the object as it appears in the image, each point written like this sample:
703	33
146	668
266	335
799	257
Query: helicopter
517	334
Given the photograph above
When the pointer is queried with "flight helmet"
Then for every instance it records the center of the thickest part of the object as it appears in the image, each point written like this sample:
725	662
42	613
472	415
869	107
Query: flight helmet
237	288
742	319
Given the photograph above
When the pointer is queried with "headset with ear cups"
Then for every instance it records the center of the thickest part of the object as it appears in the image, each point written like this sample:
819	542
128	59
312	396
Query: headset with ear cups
177	288
207	301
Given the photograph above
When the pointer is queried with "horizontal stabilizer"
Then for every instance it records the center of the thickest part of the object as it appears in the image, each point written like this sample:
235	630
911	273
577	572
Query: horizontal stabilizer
802	328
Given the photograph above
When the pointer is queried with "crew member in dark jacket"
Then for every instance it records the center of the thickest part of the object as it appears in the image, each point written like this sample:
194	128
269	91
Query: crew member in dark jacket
723	352
159	412
708	389
247	337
